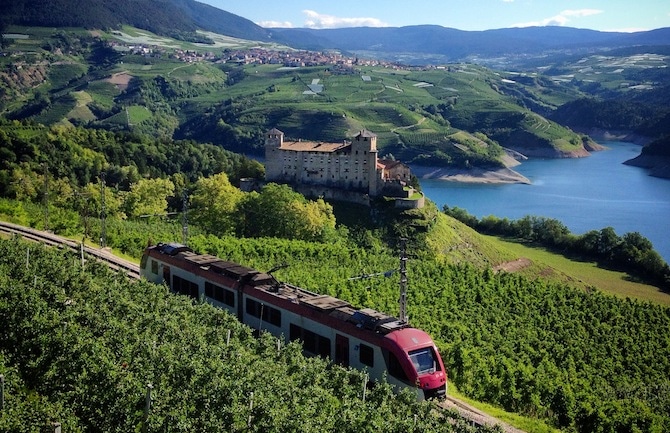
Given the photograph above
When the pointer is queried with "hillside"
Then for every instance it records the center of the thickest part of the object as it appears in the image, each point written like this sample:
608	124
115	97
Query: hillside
510	338
207	83
419	44
175	18
461	115
656	157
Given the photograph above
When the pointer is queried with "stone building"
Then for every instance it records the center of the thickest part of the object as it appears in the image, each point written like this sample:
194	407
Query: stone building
351	165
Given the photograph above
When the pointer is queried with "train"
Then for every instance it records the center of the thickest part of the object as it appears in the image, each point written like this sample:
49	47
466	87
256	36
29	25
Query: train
381	345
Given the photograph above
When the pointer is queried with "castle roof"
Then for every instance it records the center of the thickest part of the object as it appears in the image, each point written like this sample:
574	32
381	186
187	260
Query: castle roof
366	133
388	164
275	131
313	146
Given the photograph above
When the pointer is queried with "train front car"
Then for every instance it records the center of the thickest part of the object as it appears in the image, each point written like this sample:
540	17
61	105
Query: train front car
421	362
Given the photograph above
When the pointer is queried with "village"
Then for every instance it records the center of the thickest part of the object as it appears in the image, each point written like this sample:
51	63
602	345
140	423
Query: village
253	56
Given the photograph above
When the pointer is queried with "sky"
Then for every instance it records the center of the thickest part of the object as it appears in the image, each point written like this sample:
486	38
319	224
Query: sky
602	15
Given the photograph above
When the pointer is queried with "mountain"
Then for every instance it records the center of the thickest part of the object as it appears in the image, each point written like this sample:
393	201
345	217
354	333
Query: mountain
415	43
165	17
411	44
231	99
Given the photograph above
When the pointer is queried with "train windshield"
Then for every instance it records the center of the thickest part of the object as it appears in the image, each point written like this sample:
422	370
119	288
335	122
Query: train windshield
424	360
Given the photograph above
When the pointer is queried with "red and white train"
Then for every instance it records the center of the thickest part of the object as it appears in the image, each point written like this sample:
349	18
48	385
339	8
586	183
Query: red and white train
364	339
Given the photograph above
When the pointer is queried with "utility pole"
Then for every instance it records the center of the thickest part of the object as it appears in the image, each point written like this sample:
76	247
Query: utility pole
103	216
46	197
402	301
184	219
403	280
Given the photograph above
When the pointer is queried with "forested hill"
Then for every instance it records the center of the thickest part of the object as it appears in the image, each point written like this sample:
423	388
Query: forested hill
166	17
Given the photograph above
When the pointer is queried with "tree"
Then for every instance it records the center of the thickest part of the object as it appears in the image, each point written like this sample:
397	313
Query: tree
278	211
148	197
607	243
214	204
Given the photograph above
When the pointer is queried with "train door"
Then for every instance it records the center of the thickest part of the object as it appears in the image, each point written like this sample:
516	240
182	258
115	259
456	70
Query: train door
166	276
341	350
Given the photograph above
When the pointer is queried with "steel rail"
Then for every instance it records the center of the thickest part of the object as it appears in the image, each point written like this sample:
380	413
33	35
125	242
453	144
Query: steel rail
103	255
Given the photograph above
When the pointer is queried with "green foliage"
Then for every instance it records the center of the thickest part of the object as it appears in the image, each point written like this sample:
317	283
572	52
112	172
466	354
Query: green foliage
84	347
79	155
458	149
214	204
542	349
148	197
278	211
631	252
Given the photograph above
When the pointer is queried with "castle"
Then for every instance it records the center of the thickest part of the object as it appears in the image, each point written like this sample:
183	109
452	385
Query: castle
346	166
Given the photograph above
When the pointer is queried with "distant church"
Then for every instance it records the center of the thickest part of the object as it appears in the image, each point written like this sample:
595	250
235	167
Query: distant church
351	166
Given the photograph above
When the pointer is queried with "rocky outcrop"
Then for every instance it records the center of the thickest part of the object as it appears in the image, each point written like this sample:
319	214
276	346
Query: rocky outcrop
599	134
472	175
658	166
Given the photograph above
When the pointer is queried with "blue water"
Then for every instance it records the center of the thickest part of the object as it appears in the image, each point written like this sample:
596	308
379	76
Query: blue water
584	194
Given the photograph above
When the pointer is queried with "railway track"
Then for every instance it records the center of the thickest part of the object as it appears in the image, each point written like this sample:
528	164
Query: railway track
46	238
477	417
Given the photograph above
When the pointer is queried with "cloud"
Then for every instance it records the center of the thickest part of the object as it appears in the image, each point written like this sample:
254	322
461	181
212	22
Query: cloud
276	24
562	18
316	20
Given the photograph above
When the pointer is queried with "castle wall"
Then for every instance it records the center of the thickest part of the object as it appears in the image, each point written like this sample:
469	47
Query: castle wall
351	166
339	171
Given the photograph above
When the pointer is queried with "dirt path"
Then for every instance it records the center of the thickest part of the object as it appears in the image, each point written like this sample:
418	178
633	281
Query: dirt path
514	265
476	416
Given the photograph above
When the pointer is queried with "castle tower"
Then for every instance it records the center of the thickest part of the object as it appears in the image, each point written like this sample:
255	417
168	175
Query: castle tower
274	139
364	156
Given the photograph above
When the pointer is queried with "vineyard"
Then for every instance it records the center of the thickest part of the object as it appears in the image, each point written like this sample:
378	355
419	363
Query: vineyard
88	350
586	361
581	360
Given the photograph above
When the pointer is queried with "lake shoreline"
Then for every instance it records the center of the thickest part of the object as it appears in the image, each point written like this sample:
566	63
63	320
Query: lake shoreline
584	194
473	175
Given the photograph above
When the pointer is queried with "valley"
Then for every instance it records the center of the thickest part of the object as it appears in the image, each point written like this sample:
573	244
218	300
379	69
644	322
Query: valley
132	131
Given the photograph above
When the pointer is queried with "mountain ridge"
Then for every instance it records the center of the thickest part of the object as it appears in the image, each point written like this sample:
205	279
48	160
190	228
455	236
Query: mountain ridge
170	17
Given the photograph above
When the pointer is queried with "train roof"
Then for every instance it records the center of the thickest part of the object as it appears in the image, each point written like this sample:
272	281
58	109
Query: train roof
273	290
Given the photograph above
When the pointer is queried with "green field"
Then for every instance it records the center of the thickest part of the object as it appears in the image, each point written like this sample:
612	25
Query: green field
252	98
584	275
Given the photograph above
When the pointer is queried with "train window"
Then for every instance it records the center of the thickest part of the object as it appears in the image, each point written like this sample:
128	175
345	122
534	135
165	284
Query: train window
395	369
209	289
220	294
154	267
311	341
269	314
367	355
185	287
228	297
424	360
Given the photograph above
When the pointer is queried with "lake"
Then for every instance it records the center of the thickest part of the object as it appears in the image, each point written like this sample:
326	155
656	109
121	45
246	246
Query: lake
584	194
